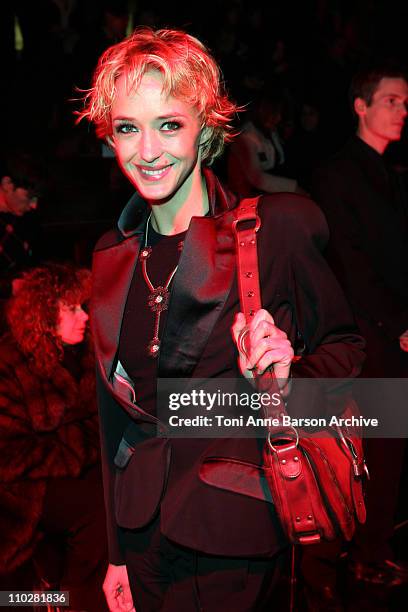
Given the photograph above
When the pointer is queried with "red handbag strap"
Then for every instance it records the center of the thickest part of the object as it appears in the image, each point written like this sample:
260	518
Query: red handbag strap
294	482
287	454
246	226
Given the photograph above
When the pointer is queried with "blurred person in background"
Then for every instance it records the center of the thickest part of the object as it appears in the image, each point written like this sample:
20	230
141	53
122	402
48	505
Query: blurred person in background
257	153
21	184
51	501
309	143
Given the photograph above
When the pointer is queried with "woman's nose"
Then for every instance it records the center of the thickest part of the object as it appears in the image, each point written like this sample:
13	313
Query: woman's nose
150	147
84	315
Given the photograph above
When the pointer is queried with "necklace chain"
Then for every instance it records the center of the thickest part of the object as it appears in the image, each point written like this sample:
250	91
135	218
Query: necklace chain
158	299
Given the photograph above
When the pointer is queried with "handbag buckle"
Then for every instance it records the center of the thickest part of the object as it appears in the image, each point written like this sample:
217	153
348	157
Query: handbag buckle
287	435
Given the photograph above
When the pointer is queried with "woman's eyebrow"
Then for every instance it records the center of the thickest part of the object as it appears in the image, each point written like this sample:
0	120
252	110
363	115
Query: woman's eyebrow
171	116
159	118
122	118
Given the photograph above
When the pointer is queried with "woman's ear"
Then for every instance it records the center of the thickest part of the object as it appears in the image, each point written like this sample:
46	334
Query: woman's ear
205	136
110	142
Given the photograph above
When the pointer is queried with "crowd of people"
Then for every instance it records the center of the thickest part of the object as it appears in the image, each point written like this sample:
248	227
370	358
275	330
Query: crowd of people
333	268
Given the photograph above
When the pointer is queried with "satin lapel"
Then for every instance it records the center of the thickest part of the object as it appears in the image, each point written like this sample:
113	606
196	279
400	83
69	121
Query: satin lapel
112	272
201	286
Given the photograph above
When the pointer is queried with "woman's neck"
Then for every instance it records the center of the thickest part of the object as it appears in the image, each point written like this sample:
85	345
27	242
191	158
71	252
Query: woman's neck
174	216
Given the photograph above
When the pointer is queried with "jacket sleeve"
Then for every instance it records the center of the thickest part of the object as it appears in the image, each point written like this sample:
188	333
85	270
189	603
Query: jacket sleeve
333	349
113	422
365	286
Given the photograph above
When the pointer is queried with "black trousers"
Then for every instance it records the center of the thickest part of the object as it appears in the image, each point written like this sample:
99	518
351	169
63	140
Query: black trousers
74	551
167	577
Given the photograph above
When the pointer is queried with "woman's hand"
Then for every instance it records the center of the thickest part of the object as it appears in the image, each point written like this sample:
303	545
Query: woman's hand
117	590
265	344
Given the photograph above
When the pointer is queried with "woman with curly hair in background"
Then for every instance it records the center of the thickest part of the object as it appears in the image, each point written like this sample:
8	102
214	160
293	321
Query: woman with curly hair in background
50	487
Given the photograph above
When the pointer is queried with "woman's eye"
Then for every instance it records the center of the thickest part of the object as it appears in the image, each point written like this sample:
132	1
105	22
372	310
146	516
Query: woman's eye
71	307
125	128
170	126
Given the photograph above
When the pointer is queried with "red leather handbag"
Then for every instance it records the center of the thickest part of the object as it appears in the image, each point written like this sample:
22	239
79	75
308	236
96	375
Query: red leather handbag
315	479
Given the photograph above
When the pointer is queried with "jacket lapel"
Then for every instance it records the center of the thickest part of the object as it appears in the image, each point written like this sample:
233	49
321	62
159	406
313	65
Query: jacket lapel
114	261
201	287
112	272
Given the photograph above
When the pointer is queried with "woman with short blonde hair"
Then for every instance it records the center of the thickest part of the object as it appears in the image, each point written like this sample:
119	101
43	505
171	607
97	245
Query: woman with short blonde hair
165	302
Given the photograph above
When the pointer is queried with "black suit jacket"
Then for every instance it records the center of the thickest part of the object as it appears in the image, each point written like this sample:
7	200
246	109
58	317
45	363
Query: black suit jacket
368	248
299	290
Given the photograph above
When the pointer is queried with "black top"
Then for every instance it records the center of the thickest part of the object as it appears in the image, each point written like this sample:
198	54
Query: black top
138	319
219	358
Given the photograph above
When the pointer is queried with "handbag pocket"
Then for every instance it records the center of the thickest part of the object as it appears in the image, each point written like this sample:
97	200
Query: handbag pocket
237	476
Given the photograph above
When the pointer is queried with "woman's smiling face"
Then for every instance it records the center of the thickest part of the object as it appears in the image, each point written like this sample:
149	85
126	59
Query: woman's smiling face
156	138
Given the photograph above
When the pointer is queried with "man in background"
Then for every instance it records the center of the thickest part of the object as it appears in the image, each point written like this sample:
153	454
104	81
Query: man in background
366	208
